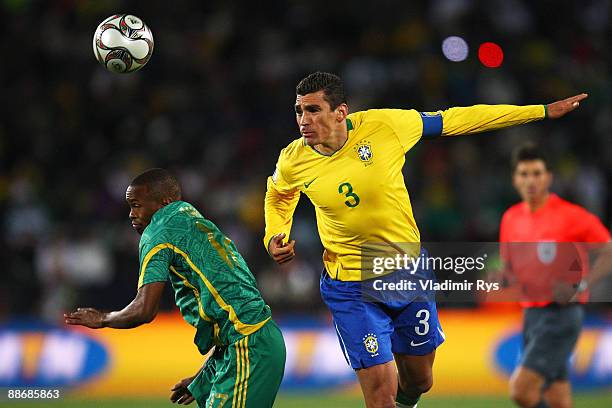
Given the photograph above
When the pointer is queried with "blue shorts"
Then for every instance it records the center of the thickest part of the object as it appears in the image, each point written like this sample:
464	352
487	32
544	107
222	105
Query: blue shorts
370	332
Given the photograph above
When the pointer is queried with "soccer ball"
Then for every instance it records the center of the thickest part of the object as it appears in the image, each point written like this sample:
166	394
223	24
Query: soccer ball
123	43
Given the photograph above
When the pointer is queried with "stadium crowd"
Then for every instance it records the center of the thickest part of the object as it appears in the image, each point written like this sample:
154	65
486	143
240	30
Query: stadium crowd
215	105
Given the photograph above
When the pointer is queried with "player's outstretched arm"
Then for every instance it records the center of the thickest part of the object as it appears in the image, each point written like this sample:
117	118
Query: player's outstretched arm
484	118
279	251
558	109
141	310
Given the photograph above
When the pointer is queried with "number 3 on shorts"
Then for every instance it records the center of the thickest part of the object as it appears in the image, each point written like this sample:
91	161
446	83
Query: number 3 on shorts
421	331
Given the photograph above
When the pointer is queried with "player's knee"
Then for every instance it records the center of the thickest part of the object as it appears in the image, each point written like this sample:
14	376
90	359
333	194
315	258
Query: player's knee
417	386
381	397
382	403
560	402
526	401
424	385
524	397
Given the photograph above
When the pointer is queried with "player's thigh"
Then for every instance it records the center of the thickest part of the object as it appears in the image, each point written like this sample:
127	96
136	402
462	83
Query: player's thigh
202	384
265	356
550	336
416	329
251	371
230	372
363	328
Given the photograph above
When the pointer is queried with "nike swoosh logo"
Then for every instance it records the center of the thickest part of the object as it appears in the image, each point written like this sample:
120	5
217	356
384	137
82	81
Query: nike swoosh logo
306	185
413	344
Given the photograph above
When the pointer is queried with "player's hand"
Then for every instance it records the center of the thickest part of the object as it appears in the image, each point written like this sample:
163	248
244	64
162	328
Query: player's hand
563	293
279	251
86	316
558	109
180	392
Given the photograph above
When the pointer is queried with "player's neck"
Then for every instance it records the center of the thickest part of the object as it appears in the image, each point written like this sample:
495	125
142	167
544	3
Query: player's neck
537	202
335	143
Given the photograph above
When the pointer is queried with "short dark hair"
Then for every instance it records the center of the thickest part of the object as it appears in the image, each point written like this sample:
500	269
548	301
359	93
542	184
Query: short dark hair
331	84
528	152
160	184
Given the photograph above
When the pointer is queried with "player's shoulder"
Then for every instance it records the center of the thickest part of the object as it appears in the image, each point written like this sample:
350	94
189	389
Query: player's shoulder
170	218
357	119
292	156
153	236
567	207
587	225
293	149
378	115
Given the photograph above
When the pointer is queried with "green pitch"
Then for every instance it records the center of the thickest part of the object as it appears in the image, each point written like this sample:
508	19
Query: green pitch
599	400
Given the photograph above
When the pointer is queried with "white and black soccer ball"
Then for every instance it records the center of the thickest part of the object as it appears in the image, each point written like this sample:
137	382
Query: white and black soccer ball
123	43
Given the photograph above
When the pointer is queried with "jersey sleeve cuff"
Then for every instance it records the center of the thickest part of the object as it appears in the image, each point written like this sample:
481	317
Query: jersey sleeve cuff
151	280
266	242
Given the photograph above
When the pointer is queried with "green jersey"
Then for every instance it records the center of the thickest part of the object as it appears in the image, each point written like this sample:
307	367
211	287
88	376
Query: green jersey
213	286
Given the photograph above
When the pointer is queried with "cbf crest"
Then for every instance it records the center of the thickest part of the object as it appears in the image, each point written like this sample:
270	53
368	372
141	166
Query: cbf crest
364	152
371	344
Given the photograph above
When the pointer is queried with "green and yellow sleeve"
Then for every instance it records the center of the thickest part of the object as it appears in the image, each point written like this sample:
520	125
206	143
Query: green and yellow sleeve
155	261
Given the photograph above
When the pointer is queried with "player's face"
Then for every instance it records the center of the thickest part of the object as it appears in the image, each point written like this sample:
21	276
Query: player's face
315	118
532	179
142	207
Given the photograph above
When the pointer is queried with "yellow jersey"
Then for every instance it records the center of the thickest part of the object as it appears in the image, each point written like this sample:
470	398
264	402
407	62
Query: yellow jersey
359	192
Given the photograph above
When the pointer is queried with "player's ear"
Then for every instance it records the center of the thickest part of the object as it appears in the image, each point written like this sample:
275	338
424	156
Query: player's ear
341	112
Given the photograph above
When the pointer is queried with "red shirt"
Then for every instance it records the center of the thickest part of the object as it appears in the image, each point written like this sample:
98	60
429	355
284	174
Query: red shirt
538	259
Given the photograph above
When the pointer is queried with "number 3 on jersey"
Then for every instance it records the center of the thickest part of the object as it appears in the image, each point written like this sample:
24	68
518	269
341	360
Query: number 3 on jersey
352	198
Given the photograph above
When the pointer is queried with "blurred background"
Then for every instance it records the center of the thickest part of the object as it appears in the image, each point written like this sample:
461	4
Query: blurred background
215	105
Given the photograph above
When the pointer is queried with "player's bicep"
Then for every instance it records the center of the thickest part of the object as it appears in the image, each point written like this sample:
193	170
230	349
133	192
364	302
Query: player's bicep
410	125
279	183
148	299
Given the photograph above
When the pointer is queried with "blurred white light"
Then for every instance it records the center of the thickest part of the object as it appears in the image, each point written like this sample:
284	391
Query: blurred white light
455	48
